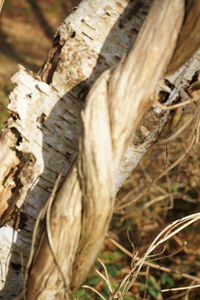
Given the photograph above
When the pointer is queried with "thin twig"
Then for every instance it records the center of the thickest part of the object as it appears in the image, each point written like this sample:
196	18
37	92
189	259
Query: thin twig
106	277
155	200
181	288
173	106
177	132
48	227
94	290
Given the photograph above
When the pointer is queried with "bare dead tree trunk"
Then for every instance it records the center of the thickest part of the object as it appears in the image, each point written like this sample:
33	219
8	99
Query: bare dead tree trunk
41	139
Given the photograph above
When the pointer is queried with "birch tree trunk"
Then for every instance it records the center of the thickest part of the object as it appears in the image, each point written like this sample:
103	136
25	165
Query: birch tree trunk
41	142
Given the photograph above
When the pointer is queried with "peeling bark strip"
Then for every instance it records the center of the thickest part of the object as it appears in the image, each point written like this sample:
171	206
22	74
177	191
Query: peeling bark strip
122	92
50	65
8	166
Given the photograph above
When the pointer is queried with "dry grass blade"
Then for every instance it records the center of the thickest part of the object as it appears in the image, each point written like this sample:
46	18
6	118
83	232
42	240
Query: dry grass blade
174	106
94	290
171	230
181	288
164	235
155	266
106	277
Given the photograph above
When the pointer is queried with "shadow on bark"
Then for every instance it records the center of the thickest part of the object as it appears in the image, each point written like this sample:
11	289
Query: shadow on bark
52	152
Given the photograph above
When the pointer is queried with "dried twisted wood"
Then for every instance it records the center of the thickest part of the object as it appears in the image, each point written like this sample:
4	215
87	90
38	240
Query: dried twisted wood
114	108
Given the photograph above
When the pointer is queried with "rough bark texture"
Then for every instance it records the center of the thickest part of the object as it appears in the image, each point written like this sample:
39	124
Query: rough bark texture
46	144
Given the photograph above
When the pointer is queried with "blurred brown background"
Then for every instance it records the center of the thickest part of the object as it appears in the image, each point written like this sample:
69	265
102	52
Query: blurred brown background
27	28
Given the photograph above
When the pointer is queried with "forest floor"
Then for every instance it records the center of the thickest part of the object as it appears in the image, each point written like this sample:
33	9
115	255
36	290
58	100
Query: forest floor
26	34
